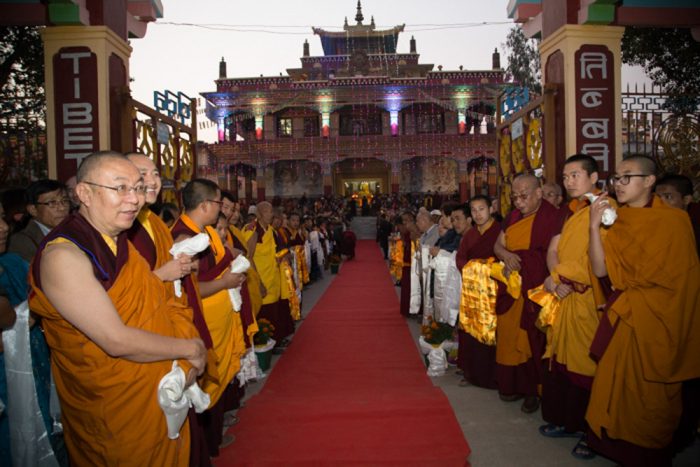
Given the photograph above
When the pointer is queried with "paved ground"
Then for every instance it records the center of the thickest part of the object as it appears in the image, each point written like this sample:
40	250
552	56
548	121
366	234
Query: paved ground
498	432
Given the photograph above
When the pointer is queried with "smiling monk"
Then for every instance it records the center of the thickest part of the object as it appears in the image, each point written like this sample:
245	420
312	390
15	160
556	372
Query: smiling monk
112	328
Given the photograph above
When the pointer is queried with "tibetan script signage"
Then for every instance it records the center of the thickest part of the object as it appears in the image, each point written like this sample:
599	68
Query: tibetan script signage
595	105
76	104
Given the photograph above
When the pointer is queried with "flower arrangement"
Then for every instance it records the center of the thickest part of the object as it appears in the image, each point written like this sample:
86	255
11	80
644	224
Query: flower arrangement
334	258
435	332
265	331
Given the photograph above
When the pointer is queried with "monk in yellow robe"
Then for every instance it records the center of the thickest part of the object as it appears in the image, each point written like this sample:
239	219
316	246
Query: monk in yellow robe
152	239
261	246
202	203
569	371
647	341
112	327
523	248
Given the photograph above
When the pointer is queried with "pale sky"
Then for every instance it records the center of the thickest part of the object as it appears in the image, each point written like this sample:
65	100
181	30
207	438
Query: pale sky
186	59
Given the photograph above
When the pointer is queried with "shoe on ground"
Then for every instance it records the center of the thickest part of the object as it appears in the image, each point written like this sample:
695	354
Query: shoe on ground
530	404
510	397
227	440
463	383
550	430
582	450
230	420
459	372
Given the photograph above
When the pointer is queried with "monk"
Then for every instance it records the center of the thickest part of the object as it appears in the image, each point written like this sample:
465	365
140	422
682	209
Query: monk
410	285
151	238
477	360
569	369
552	192
647	340
677	191
202	203
262	248
523	248
112	327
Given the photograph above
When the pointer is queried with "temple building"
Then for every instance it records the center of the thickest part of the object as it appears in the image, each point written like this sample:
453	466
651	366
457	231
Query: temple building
363	118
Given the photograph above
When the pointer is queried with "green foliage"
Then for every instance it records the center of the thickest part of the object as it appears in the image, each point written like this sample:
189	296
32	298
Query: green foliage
265	332
523	60
671	58
22	99
435	332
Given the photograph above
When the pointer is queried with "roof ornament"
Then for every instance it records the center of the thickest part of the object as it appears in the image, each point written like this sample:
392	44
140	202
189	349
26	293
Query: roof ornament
358	16
372	24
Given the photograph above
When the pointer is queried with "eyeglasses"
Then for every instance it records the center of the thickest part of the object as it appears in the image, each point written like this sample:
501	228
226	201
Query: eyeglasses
522	196
624	179
54	203
122	190
220	203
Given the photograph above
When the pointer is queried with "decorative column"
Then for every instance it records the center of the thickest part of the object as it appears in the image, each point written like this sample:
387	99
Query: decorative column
260	179
327	171
584	63
463	174
395	175
86	79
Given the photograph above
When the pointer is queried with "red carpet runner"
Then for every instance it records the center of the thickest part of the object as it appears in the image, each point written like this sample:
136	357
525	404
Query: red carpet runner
351	389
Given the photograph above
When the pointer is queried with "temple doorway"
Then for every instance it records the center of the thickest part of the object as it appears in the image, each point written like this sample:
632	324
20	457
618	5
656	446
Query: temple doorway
360	178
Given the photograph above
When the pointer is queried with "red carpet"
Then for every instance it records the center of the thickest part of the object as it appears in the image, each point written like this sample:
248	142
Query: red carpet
351	389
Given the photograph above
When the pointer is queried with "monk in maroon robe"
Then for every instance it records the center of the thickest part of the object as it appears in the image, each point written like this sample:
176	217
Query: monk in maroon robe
476	360
409	231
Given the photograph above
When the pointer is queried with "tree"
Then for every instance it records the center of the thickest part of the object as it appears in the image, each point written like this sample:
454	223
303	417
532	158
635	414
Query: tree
22	99
523	60
671	58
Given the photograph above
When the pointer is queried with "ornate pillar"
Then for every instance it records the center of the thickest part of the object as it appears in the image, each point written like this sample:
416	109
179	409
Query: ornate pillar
327	171
395	175
584	63
463	178
260	179
86	79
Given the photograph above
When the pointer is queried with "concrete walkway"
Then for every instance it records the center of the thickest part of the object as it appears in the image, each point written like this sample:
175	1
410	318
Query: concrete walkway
498	433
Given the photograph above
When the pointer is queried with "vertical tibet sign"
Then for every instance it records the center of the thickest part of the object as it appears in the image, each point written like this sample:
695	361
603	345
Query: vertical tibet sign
595	105
76	104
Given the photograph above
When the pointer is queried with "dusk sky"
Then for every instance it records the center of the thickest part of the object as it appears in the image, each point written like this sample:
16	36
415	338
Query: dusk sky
266	37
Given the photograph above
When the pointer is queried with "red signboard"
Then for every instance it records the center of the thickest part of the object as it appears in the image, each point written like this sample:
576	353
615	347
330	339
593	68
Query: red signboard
595	105
76	104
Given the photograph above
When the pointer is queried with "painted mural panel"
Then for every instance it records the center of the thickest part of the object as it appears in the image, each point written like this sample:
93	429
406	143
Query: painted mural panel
293	178
429	174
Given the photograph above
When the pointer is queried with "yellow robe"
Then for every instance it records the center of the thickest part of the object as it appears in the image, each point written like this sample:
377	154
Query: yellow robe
636	393
266	263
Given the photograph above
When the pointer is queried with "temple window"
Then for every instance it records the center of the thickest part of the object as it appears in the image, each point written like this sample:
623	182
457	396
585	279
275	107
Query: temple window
284	127
311	126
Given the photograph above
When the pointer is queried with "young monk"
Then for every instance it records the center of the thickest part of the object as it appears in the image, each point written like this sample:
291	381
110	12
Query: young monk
646	343
111	325
677	191
522	246
569	369
476	360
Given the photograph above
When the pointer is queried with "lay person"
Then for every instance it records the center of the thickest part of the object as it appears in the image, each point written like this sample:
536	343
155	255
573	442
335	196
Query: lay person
476	360
522	246
111	326
646	343
570	369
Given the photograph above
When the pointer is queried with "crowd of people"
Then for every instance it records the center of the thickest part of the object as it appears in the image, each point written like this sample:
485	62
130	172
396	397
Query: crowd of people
588	309
88	272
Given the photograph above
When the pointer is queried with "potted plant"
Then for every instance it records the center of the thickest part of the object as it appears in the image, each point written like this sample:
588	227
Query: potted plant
264	343
334	261
435	342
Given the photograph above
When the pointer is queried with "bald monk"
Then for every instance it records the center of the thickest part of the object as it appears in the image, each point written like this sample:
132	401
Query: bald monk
151	238
410	282
647	340
202	203
551	192
570	369
476	360
111	325
287	303
262	248
522	246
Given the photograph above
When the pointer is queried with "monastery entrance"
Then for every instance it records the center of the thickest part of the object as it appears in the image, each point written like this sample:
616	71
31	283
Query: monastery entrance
361	177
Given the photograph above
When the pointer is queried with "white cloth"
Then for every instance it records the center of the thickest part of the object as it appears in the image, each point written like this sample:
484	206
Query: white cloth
190	246
239	265
250	370
447	286
437	355
609	214
175	400
426	271
28	437
415	300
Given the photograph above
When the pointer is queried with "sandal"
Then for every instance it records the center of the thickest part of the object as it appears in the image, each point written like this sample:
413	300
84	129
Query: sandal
582	450
550	430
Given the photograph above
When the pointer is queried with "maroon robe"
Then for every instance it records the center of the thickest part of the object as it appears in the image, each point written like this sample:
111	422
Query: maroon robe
477	360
